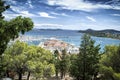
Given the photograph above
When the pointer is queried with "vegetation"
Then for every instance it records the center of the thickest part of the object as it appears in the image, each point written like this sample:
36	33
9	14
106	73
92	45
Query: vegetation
110	63
56	62
11	29
85	66
103	33
20	58
64	64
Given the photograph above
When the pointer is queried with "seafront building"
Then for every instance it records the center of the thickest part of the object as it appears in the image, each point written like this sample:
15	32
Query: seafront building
53	44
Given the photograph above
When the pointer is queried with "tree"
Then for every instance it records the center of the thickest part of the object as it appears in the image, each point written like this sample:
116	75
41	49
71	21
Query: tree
64	63
74	66
16	61
86	63
3	7
9	30
110	63
45	57
56	62
22	58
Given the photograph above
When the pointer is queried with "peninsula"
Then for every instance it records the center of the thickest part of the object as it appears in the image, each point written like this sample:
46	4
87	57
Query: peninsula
109	33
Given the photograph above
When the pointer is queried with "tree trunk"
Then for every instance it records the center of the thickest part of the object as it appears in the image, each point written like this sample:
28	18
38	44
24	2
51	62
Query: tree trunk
28	76
20	76
57	73
1	66
7	73
36	78
78	78
84	65
62	75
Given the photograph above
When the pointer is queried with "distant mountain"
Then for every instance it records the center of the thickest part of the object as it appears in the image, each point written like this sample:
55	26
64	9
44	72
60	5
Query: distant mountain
54	29
110	33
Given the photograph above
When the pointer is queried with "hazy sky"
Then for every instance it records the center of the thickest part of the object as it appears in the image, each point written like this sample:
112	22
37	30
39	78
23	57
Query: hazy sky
68	14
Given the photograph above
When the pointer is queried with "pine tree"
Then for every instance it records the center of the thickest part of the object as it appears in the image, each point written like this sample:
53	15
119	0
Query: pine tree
56	62
64	64
110	63
89	54
87	60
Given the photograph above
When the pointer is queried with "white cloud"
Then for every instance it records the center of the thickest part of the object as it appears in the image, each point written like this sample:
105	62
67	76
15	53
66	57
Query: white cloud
81	5
9	15
48	25
46	15
55	13
29	3
59	14
55	26
91	18
27	14
113	2
16	9
22	11
118	15
79	26
63	14
11	1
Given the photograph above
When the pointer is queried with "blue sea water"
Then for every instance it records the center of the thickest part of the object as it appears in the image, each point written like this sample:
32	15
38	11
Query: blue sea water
69	36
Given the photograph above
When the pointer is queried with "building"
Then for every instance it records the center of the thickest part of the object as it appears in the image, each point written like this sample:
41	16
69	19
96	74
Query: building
54	44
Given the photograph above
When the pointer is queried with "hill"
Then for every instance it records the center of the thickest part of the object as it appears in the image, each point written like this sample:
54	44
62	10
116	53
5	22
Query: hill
110	33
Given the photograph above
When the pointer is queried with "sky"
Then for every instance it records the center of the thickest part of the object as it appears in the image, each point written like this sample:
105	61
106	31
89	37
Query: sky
67	14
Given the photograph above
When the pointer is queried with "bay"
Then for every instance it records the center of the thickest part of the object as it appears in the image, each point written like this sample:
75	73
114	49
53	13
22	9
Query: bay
36	36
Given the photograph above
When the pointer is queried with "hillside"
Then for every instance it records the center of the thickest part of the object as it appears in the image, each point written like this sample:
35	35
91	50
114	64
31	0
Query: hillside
110	33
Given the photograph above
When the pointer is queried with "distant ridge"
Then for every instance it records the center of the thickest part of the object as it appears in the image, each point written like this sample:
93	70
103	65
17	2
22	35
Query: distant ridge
54	29
110	33
102	31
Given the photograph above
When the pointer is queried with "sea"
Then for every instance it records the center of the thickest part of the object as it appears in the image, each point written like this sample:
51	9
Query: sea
37	36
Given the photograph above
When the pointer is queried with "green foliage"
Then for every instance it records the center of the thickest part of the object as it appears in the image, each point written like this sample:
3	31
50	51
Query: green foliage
11	29
86	62
49	69
110	63
64	63
56	62
21	58
74	65
116	76
3	7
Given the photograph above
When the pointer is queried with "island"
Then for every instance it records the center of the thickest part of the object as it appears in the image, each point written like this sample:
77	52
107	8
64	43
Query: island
109	33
